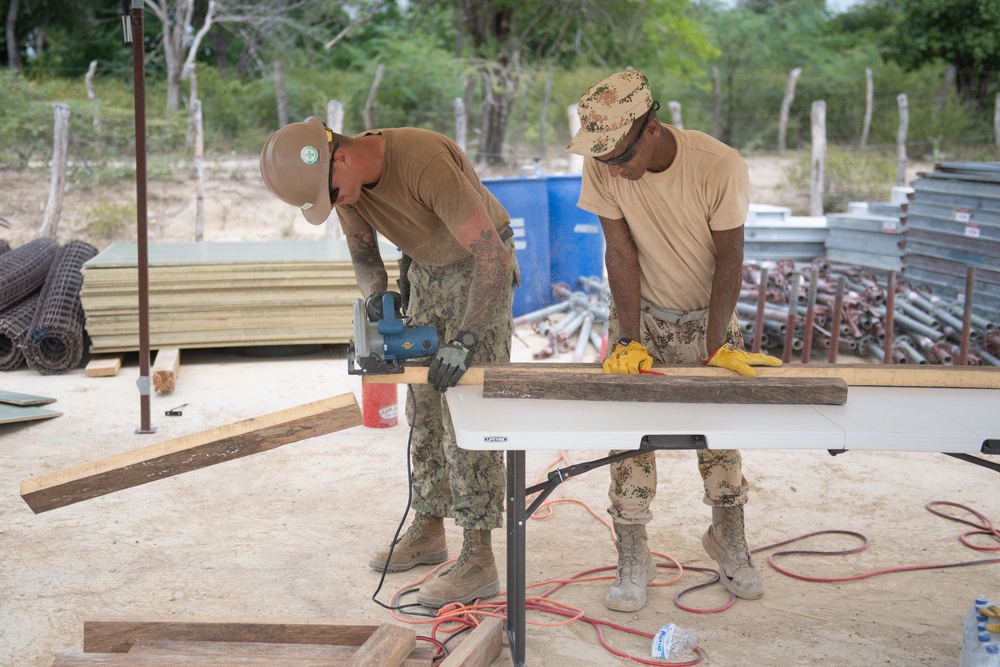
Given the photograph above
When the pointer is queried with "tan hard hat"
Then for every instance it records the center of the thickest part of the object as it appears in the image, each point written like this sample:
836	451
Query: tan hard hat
295	166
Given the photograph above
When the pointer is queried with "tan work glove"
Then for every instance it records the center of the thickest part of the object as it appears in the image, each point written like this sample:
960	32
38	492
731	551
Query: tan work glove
627	358
740	361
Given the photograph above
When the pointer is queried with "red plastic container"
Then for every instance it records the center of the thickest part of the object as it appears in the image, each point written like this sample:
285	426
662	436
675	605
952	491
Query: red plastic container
379	405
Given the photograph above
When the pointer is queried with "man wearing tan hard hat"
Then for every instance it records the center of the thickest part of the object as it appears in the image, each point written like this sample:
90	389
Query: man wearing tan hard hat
458	272
672	204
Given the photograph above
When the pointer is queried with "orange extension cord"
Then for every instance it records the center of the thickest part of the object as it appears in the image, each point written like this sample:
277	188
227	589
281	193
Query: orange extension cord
453	619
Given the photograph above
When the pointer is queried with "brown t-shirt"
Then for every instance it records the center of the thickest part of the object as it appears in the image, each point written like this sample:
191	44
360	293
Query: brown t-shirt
671	215
427	190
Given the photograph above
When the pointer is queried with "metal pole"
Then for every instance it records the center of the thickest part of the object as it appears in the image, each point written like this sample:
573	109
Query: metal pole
970	282
139	73
759	322
890	307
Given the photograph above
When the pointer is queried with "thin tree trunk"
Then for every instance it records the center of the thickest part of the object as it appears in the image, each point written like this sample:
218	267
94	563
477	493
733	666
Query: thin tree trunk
786	105
460	124
281	93
92	96
543	126
675	115
717	103
13	48
60	142
947	84
816	183
199	218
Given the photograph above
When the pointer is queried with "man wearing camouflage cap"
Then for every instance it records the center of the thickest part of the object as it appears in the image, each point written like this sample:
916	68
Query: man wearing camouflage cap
672	204
459	269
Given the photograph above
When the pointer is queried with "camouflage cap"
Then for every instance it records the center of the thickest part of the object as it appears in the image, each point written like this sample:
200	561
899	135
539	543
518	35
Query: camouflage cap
608	110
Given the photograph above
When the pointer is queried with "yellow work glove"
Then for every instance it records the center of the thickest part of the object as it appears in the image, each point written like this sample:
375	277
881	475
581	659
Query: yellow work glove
740	361
627	358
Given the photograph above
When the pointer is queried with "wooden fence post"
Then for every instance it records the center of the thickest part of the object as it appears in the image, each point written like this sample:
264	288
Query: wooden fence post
786	105
460	123
675	115
904	124
92	96
717	103
869	96
281	93
370	102
199	218
575	161
818	157
60	142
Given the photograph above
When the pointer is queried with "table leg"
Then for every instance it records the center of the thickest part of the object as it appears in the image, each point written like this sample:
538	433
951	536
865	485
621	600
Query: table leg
515	624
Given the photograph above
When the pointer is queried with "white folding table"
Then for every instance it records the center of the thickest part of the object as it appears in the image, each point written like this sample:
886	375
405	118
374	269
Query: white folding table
959	422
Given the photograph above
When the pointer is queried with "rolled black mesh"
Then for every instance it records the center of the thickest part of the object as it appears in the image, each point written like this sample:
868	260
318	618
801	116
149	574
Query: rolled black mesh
4	246
14	324
54	343
23	270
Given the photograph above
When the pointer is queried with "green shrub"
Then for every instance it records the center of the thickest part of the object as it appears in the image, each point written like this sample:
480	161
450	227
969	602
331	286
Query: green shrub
848	175
109	220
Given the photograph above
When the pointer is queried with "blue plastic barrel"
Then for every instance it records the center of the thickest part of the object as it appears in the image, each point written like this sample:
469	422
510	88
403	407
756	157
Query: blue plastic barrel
576	240
526	200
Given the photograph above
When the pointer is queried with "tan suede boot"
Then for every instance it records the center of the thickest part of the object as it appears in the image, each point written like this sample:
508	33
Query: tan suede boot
473	576
636	568
726	542
422	544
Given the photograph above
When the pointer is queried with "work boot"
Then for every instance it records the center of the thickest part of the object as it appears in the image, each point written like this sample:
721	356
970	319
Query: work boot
636	569
473	576
422	544
726	542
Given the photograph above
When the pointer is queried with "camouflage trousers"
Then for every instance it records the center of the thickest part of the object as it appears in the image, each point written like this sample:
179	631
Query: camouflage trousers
672	337
449	481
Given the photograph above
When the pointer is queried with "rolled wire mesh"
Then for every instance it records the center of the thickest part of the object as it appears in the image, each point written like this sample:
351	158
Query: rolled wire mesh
54	343
23	270
14	324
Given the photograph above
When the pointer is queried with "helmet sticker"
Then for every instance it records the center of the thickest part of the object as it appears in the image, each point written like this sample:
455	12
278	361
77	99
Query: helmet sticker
309	154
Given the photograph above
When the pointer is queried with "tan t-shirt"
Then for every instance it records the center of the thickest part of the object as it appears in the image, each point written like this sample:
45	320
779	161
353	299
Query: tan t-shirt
427	190
671	215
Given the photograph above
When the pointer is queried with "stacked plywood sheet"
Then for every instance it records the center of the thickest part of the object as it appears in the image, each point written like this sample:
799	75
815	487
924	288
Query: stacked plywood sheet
231	294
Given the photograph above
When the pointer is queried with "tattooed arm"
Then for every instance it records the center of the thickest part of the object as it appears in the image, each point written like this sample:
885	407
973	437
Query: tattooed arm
478	235
369	270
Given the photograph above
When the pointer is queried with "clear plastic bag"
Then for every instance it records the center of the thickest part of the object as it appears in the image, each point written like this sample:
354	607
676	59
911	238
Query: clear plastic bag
673	641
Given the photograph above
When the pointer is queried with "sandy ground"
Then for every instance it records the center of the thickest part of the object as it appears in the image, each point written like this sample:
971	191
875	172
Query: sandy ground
286	534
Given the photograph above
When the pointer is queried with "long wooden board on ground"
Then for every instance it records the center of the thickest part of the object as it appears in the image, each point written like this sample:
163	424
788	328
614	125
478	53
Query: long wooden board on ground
855	375
332	655
502	383
166	367
192	452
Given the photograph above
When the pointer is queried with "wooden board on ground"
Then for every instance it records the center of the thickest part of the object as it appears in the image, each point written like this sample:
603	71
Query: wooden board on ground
11	414
387	647
104	366
16	398
173	457
501	383
855	375
166	367
119	635
480	648
333	655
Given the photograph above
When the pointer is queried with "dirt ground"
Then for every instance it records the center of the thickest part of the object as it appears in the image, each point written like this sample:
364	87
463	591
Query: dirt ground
286	534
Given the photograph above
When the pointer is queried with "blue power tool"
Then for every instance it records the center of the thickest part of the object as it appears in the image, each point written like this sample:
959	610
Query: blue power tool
380	346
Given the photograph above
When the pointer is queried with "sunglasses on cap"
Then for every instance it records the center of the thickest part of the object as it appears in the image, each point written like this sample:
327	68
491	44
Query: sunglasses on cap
630	151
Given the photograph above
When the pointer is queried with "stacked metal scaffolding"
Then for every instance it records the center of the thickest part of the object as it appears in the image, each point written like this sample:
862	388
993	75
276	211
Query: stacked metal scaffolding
581	319
55	340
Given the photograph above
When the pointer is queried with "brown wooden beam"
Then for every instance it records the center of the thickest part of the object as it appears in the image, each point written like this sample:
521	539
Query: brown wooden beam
855	375
166	368
500	383
192	452
387	647
422	654
481	648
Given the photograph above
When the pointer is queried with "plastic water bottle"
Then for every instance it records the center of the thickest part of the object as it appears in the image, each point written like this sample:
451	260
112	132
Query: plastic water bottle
980	655
992	656
673	641
973	627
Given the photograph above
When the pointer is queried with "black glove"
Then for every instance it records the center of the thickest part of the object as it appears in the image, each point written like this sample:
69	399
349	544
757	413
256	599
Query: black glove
373	305
451	361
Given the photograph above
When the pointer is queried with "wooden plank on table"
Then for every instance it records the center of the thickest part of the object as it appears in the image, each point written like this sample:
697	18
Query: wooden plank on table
387	647
503	383
119	635
480	648
166	367
192	452
17	398
104	366
335	656
859	375
11	414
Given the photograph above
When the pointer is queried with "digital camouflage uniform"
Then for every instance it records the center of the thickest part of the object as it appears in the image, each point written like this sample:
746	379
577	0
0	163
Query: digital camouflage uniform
633	480
449	481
